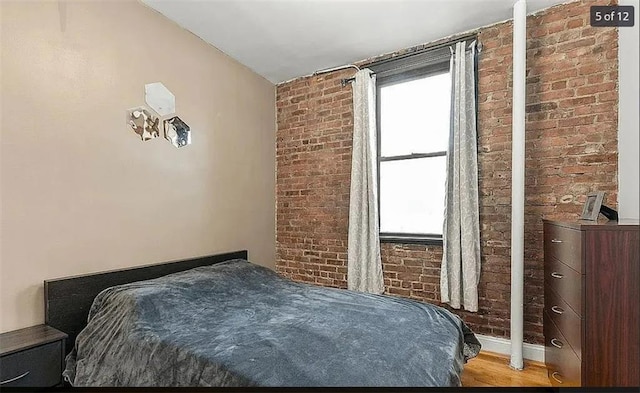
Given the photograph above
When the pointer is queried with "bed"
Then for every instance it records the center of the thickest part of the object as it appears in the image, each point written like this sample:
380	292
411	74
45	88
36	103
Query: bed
234	323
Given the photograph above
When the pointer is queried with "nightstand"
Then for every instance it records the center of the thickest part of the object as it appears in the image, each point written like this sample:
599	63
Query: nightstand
32	357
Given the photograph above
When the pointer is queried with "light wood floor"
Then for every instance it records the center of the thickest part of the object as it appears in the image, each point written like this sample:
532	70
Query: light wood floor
490	369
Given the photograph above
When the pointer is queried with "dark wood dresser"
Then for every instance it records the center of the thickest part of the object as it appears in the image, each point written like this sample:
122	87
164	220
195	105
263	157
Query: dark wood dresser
32	357
592	303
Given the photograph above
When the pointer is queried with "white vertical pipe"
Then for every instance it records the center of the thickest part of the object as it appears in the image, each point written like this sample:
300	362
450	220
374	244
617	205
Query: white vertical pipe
517	181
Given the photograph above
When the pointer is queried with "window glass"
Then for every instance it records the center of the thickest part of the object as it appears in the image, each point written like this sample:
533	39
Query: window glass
412	195
415	115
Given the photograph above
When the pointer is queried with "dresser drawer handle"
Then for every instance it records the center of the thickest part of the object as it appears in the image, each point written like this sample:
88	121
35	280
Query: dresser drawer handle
556	275
14	378
556	343
557	310
556	241
553	375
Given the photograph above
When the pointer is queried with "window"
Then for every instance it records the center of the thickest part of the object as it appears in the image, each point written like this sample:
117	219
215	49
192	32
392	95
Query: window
413	108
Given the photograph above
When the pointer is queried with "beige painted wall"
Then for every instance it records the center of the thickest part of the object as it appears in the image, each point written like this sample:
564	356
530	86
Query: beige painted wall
80	193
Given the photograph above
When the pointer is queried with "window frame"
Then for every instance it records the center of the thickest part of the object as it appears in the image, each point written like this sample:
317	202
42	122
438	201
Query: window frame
391	78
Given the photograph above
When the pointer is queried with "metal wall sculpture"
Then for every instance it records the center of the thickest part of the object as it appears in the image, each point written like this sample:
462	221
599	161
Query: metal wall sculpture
145	121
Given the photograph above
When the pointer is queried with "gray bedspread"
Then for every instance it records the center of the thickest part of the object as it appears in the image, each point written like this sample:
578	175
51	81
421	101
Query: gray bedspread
239	324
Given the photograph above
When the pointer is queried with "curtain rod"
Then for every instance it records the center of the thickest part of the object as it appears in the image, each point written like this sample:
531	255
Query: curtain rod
427	48
336	69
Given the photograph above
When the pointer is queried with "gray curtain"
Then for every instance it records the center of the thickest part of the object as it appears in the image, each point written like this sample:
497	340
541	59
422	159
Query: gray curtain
364	267
460	270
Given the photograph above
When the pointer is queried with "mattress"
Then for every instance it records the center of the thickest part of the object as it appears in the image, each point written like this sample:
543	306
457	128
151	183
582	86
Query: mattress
239	324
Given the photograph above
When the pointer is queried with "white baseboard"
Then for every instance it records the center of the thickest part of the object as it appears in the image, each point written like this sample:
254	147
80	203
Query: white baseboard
503	346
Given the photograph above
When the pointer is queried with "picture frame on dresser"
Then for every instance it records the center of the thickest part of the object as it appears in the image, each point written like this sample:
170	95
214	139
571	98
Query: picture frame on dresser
591	208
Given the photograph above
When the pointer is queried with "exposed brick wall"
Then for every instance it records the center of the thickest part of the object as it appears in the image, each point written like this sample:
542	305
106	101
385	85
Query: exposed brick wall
571	149
313	166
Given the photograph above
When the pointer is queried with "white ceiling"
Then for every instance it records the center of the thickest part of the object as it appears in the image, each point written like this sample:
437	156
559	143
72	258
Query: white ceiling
284	39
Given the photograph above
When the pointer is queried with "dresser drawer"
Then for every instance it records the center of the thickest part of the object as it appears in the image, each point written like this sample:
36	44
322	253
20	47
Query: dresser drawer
566	320
564	244
40	366
564	281
563	365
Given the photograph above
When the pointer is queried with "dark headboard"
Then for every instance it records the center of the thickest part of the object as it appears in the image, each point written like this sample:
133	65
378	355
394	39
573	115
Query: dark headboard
67	300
